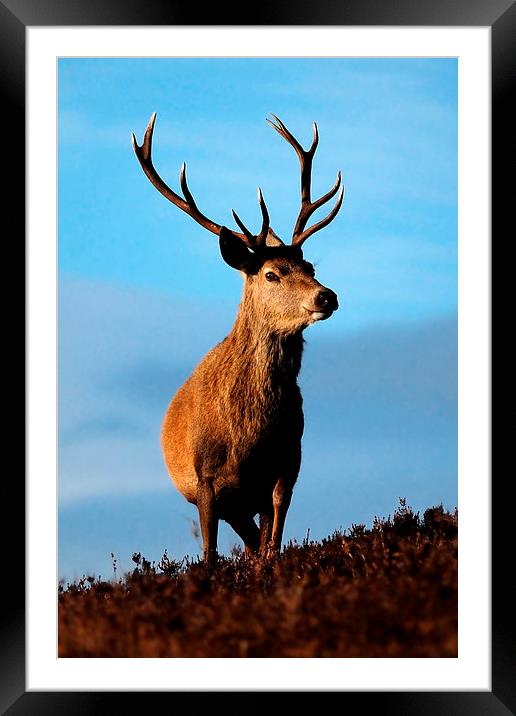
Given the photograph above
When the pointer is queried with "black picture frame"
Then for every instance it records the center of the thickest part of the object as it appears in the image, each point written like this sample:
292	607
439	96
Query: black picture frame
15	17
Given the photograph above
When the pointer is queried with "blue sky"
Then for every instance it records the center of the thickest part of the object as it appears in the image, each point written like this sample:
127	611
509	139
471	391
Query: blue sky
143	292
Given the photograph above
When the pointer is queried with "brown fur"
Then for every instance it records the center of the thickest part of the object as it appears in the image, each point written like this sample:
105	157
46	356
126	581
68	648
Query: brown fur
232	434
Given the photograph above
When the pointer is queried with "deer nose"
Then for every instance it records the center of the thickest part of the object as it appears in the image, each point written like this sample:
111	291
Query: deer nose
327	300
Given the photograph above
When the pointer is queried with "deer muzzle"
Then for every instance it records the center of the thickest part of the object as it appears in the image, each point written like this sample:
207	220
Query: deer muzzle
325	302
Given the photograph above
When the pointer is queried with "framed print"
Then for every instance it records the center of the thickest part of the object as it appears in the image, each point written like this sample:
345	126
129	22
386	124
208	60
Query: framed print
95	309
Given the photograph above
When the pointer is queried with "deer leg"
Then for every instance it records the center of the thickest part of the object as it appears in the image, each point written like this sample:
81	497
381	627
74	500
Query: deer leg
208	519
266	519
248	532
281	496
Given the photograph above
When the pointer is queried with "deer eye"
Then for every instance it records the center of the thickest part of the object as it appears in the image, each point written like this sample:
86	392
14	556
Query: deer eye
270	276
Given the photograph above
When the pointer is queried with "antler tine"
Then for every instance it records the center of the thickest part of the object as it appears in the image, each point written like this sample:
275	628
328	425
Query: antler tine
307	206
283	131
249	235
301	238
147	139
184	187
259	239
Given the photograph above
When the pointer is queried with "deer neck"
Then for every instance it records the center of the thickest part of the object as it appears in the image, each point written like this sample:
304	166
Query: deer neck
265	359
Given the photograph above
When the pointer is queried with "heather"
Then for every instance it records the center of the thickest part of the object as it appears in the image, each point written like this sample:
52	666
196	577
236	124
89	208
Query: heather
389	590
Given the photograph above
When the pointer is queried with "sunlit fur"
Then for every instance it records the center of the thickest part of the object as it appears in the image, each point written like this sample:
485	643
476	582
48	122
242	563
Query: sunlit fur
235	426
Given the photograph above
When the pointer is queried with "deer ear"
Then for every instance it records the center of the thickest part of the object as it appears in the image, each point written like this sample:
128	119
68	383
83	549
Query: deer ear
234	251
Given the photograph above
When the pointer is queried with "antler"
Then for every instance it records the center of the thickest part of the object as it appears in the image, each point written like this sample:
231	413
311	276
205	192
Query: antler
260	238
308	207
188	205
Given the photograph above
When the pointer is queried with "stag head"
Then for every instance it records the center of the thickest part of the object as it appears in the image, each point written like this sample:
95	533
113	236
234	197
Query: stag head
280	284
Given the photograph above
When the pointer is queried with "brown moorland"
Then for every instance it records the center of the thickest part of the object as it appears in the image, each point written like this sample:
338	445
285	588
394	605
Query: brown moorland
388	591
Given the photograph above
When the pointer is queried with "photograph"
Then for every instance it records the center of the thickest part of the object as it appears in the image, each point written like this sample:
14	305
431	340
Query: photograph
258	315
257	336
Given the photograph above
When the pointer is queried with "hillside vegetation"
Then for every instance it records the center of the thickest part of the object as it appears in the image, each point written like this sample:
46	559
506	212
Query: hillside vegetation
387	591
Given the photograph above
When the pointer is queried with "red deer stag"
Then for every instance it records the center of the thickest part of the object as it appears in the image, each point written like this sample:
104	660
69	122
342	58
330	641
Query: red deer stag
232	434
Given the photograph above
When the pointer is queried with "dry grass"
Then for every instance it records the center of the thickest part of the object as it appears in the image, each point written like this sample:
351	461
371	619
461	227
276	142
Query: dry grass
390	591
